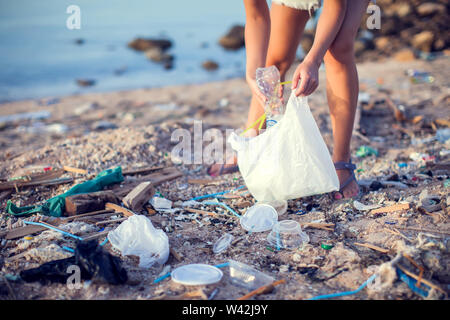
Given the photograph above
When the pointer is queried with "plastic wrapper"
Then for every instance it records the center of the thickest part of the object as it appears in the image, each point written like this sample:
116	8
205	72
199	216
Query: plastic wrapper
137	236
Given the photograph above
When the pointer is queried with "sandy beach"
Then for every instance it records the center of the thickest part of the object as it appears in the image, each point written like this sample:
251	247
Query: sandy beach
133	129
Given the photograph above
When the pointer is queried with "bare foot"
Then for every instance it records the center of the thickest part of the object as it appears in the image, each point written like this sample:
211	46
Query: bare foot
351	190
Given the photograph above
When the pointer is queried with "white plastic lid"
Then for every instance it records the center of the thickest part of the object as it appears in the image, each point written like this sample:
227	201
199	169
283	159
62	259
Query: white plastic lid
196	274
259	218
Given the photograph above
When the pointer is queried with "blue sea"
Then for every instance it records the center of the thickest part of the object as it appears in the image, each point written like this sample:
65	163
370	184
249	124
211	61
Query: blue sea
39	57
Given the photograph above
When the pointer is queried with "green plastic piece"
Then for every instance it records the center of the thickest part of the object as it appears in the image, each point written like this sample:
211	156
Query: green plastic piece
56	205
365	151
326	246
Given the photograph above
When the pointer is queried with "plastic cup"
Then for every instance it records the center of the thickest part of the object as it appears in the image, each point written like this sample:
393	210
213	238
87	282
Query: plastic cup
287	234
246	276
223	243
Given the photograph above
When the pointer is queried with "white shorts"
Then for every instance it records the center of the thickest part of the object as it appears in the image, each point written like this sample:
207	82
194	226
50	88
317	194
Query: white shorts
299	4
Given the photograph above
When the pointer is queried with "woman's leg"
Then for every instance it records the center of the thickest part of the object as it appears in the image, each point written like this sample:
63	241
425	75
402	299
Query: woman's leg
286	28
343	87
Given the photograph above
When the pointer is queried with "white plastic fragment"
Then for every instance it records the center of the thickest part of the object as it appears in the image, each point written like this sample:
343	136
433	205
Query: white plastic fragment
160	203
363	207
137	236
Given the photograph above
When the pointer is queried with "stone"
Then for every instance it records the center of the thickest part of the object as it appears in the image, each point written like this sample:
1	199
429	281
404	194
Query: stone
382	43
423	41
430	8
158	55
210	65
85	82
404	55
141	44
234	39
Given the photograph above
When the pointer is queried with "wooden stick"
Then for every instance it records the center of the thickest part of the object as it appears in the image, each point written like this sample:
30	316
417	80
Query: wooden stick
93	213
110	221
95	235
117	208
201	212
397	233
141	170
75	170
261	290
176	255
323	226
371	246
393	208
421	269
11	185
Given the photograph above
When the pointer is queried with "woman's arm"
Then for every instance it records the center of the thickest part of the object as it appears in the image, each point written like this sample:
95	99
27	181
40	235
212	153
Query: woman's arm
330	21
257	32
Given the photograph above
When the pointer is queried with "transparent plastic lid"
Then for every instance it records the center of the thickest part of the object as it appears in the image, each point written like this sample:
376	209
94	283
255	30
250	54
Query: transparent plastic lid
223	243
196	274
259	218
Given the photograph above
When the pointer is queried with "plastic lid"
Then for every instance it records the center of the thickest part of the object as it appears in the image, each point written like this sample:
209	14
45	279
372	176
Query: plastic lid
259	218
223	243
196	274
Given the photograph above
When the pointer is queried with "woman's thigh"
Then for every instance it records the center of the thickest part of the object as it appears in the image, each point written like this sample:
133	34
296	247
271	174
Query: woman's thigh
286	29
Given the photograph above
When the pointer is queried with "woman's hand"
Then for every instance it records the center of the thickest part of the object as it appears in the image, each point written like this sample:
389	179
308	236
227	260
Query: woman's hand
307	73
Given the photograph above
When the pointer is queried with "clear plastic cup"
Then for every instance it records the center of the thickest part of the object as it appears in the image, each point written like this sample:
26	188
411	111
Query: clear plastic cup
287	234
246	276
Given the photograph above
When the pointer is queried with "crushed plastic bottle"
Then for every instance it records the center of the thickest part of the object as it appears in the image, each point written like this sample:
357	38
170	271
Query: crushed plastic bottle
268	81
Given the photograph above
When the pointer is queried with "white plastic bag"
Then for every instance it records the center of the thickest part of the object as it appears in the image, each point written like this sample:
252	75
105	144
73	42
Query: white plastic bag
138	236
288	161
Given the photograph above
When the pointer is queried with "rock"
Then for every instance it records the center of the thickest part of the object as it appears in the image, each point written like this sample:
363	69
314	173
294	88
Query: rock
382	43
404	55
430	8
423	41
140	44
103	125
234	39
157	54
403	9
210	65
85	82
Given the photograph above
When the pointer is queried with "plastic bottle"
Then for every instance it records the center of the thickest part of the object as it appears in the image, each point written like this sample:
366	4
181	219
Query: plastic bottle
268	81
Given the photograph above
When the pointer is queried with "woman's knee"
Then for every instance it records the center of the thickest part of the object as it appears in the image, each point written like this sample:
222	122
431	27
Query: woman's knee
342	48
282	63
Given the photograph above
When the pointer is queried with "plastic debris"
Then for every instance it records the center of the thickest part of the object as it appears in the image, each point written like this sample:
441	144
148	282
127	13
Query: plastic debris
365	151
287	234
196	274
159	203
417	77
223	243
95	264
326	246
248	277
362	207
442	135
137	236
259	218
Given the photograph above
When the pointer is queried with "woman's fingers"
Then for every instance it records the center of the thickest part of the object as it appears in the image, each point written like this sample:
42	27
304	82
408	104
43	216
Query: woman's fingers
304	83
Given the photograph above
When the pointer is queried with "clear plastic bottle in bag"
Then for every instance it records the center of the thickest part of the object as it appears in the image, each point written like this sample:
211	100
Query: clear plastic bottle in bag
268	81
